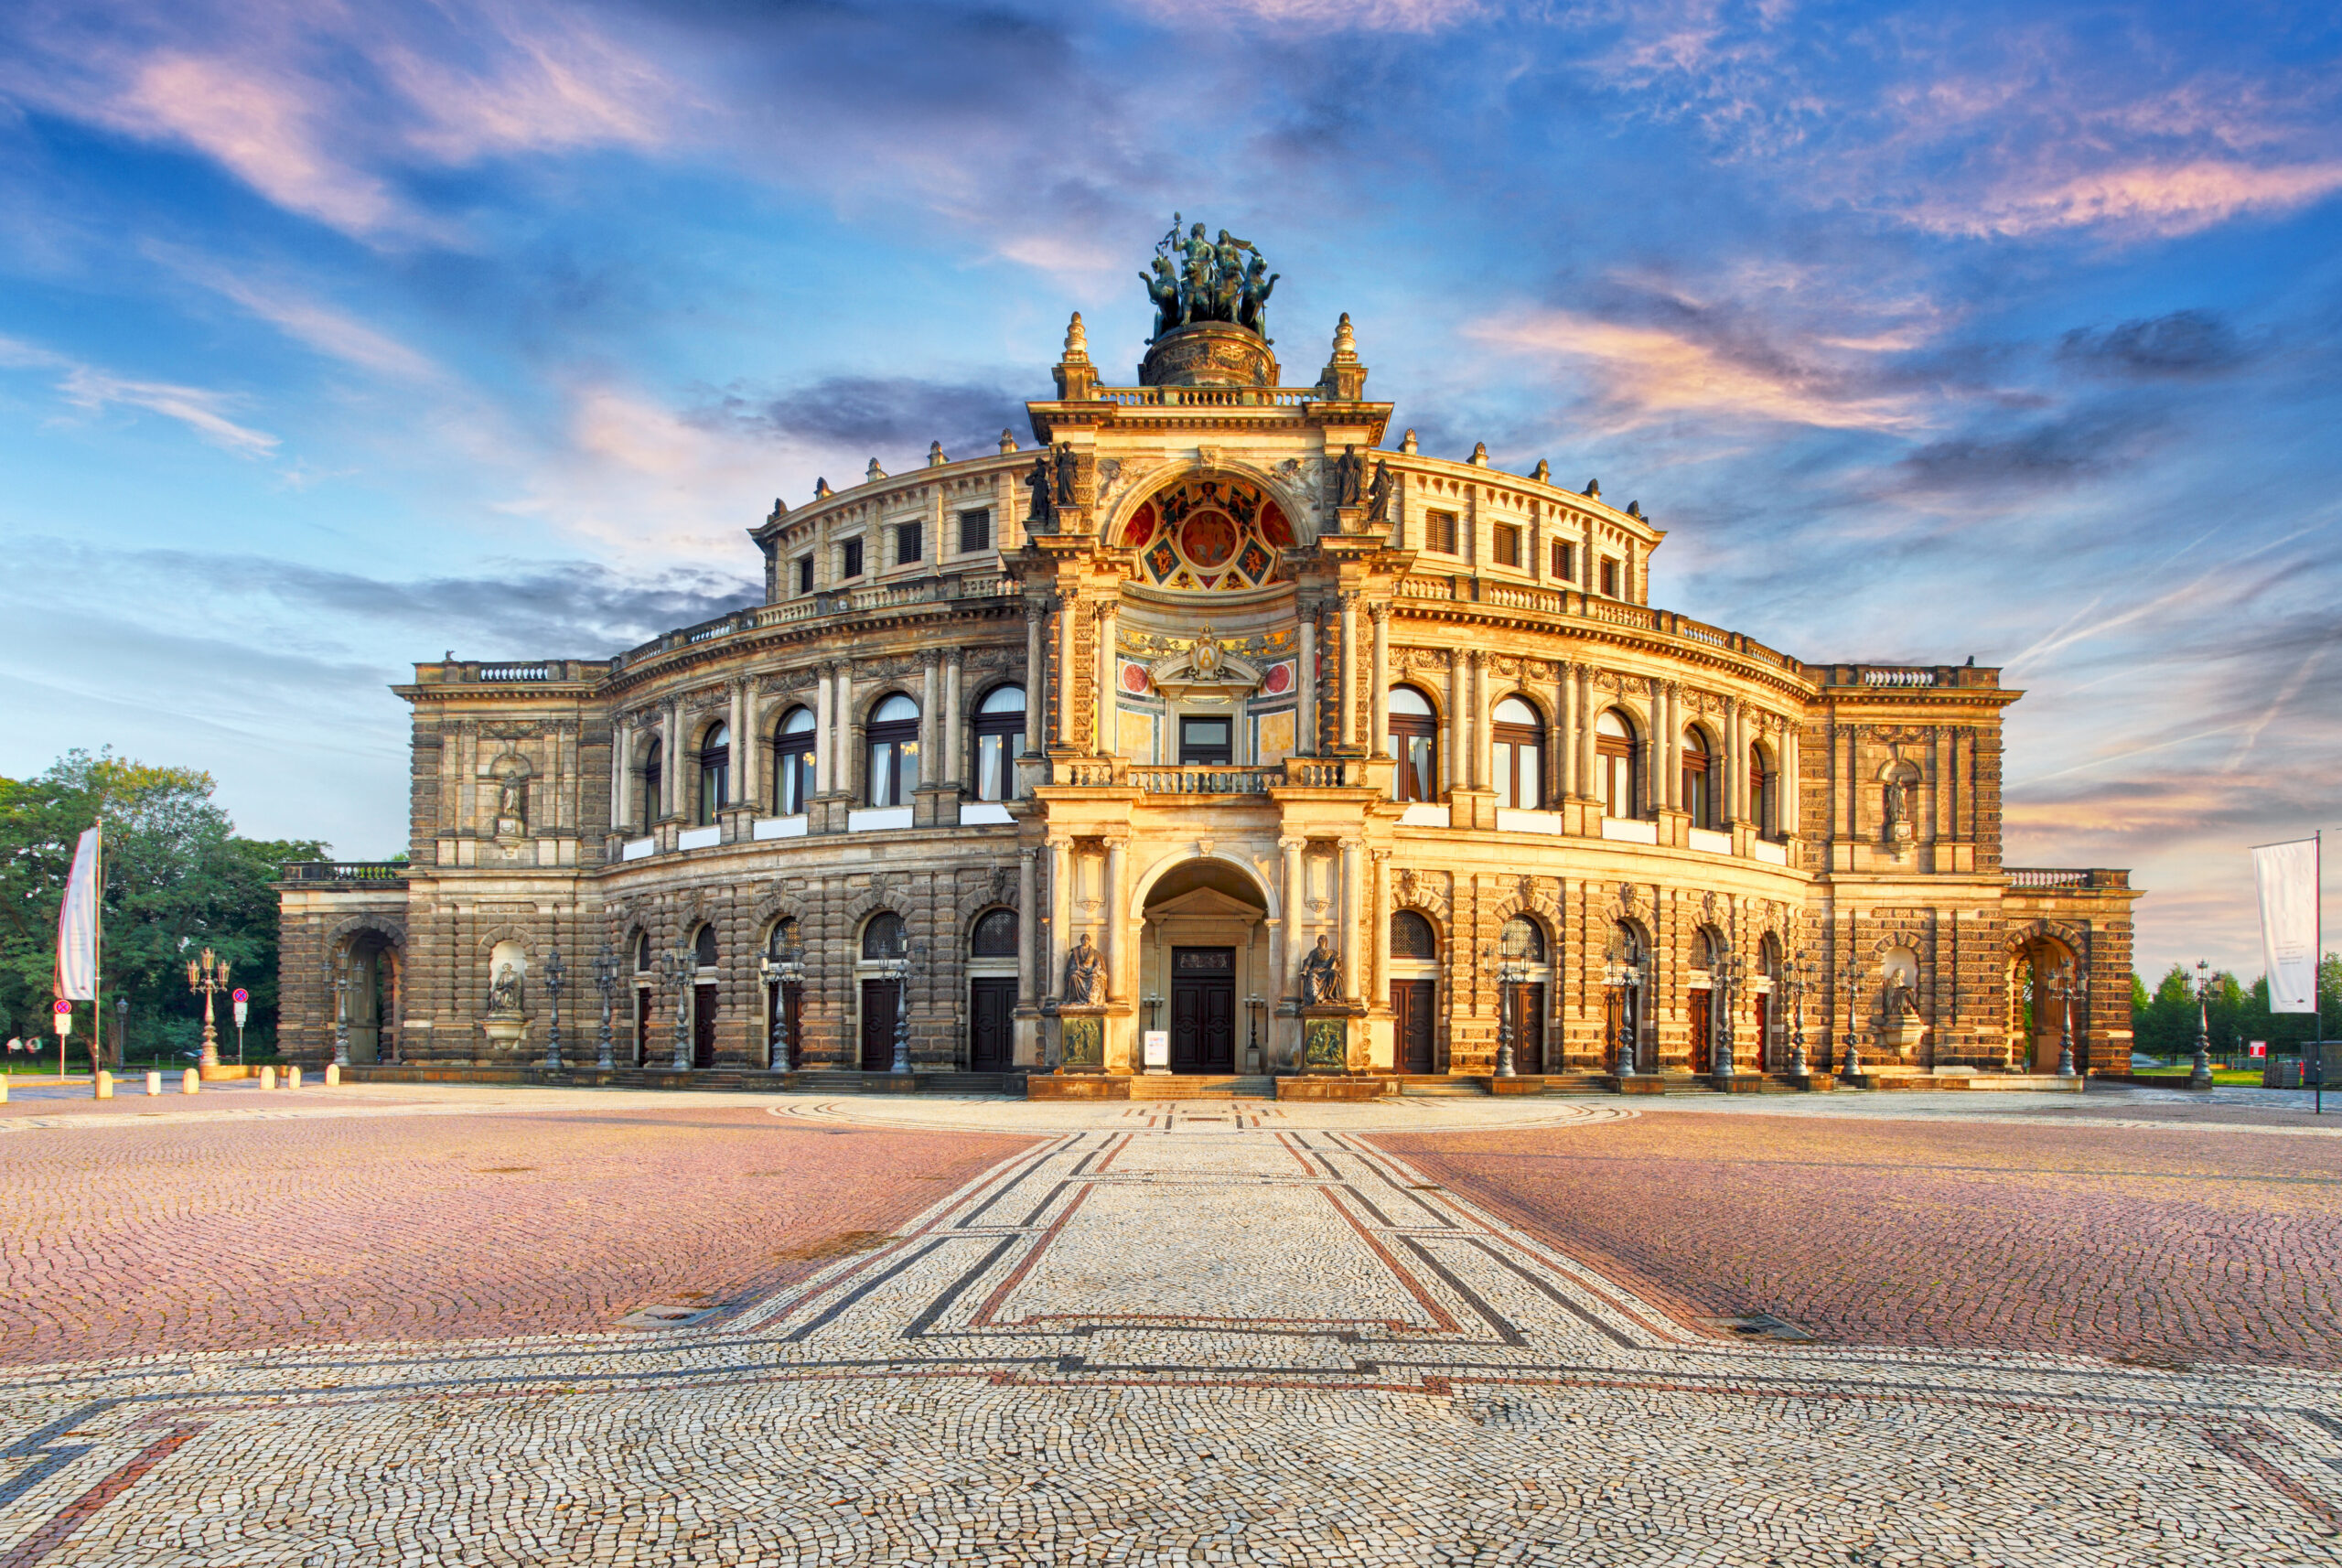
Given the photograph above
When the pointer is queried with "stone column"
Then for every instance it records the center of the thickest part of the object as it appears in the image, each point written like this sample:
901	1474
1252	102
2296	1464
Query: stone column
1588	705
842	709
1565	739
1458	771
1735	727
1029	930
1306	741
953	724
1350	908
930	683
1035	675
748	745
1103	710
1067	608
1379	911
671	769
735	720
1380	696
1292	899
1060	940
1117	915
1345	674
621	775
825	739
1475	718
1789	760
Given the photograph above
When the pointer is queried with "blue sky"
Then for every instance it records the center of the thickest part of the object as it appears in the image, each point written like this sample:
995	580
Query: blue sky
334	336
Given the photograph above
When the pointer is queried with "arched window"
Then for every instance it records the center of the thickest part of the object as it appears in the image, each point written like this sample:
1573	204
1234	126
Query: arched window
1523	941
994	935
1519	765
883	937
893	751
1000	734
1614	784
1411	936
703	947
1764	786
654	772
643	952
1414	741
785	938
1700	779
714	772
792	782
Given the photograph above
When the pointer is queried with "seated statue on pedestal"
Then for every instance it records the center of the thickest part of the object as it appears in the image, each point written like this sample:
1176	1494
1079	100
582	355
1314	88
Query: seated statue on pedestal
1085	974
1321	976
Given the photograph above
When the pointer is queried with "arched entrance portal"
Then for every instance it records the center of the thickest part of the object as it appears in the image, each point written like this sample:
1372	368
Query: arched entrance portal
369	1003
1204	967
2036	1020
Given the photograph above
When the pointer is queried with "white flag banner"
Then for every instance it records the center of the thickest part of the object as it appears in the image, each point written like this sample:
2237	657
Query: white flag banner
2288	876
77	926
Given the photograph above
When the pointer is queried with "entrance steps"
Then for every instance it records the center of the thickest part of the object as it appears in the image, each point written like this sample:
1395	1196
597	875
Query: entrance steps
1184	1086
1441	1083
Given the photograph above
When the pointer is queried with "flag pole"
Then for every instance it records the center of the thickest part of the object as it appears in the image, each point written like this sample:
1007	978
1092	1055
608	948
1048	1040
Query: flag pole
2317	969
98	956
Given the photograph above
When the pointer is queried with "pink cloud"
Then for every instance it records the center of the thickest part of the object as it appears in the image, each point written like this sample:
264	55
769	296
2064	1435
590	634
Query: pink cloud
2150	198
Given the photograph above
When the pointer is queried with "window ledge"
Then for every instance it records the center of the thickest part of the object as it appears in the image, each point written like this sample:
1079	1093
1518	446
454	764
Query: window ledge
979	814
1424	814
1630	830
781	827
1710	842
1509	820
699	838
638	849
877	819
1769	852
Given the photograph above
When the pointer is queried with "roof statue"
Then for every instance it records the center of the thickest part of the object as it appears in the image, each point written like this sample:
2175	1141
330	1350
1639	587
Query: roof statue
1195	279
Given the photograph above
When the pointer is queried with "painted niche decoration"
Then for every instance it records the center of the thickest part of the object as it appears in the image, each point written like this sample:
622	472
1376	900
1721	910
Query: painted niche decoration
1208	536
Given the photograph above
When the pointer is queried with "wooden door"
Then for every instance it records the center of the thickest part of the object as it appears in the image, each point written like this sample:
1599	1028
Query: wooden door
880	998
642	1026
1703	1030
1411	1024
703	1025
1525	1005
991	1024
1203	1010
1764	1031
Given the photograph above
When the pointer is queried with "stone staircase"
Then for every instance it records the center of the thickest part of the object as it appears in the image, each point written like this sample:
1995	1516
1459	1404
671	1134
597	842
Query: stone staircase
1442	1084
1163	1086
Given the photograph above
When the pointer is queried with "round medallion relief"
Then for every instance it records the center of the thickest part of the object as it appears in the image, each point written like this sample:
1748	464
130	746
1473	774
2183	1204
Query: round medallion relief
1208	539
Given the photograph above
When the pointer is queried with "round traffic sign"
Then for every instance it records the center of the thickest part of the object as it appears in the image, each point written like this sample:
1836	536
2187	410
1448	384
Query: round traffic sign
61	1005
240	995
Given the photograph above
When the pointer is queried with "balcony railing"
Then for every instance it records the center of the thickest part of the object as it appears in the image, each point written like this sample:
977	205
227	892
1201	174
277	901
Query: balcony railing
387	872
2054	878
1208	781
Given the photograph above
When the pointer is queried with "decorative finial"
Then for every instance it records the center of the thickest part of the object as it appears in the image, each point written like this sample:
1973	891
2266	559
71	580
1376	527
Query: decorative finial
873	473
1594	489
1008	440
1479	454
935	457
822	490
1077	339
1407	441
1634	508
780	510
1544	475
1345	340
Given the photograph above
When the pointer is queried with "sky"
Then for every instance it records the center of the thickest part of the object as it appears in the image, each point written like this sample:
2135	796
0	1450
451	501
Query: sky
334	337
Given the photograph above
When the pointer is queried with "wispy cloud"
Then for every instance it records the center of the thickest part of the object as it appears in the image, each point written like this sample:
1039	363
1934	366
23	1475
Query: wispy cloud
2147	198
94	390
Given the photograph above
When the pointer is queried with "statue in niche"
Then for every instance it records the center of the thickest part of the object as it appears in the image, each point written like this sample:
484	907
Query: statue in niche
1085	974
504	991
1895	804
512	803
1067	467
1902	1001
1321	976
1378	496
1045	512
1350	475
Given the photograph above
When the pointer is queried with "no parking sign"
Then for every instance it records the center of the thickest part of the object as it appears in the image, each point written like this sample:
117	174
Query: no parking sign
64	1017
242	999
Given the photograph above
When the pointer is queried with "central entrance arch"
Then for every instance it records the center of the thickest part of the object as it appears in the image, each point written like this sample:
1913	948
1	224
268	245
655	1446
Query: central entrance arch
1203	965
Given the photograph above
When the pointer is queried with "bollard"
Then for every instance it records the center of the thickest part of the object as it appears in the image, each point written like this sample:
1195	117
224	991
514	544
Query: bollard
103	1085
333	1075
153	1083
189	1081
292	1077
4	1089
268	1078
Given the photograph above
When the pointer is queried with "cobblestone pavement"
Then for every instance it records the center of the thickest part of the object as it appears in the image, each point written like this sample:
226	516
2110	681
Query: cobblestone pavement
1238	1334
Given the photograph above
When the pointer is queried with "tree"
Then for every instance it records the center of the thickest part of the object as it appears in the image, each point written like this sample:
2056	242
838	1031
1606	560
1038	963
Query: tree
177	880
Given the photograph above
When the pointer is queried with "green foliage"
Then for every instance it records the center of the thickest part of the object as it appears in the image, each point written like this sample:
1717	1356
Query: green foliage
2165	1022
177	880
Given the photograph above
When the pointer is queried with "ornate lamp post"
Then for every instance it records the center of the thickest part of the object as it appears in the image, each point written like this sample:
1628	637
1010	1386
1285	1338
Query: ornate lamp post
783	968
1153	1004
1850	1065
208	976
2063	987
1725	978
1255	1006
681	966
899	967
1626	971
340	1011
2200	1072
556	977
606	981
1799	974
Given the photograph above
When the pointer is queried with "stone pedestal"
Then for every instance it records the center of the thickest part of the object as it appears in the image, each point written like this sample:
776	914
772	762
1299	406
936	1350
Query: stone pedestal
505	1032
1081	1038
1328	1036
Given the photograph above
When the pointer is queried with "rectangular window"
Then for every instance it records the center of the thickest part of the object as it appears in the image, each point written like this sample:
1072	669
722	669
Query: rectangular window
804	573
1610	578
975	531
1439	531
850	559
1208	742
1507	544
1565	561
909	541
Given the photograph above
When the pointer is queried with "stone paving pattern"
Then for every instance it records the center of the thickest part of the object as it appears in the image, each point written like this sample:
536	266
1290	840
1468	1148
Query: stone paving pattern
1346	1361
250	1221
2177	1244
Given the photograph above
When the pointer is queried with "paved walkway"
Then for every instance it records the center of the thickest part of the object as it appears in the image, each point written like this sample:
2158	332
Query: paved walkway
1228	1334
